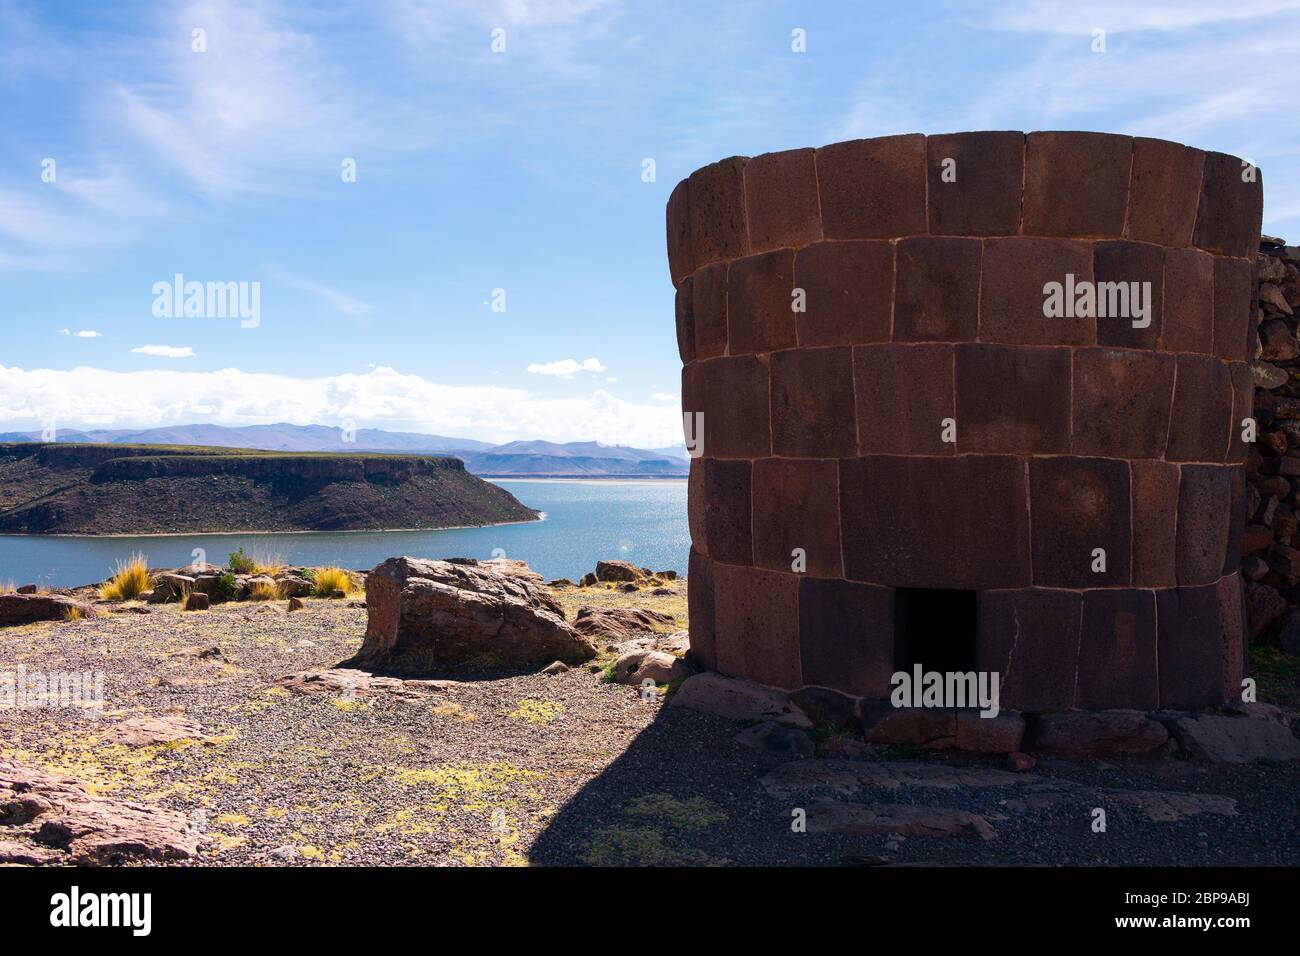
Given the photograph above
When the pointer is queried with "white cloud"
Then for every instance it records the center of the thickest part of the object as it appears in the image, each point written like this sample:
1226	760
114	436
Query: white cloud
165	351
81	333
380	398
566	368
664	397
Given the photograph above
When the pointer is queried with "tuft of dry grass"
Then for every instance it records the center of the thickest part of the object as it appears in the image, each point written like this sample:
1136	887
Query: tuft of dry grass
266	591
329	580
73	614
8	587
130	579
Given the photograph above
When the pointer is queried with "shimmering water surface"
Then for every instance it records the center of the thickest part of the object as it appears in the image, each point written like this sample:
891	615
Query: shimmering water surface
639	521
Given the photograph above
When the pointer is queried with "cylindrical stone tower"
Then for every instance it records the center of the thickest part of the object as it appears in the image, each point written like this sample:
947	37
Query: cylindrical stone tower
976	402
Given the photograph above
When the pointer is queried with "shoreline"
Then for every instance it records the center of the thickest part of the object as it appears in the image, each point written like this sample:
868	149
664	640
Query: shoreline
541	516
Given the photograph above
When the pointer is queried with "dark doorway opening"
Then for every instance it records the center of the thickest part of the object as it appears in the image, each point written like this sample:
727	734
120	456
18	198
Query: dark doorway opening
934	628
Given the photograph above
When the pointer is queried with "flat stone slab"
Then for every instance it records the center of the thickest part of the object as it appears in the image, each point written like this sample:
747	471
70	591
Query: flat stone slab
351	682
853	776
148	730
736	699
859	819
1100	733
1232	739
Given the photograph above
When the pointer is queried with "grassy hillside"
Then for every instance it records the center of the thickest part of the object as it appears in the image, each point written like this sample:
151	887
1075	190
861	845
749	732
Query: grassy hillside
156	489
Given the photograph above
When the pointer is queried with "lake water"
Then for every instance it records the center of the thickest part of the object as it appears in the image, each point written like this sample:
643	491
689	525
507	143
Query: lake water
639	521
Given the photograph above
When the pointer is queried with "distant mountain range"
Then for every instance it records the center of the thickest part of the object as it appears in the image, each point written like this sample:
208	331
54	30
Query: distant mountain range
534	459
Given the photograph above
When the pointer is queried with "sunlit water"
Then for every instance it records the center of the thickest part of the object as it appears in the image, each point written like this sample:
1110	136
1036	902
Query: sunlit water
639	521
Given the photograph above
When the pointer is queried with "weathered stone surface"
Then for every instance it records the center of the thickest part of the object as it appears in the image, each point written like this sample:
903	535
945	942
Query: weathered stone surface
56	813
1123	264
1163	192
1012	399
733	395
1154	486
1001	734
1117	650
984	198
1030	638
198	601
1102	733
726	488
873	188
796	508
883	723
1190	647
851	777
846	636
736	699
781	200
717	211
426	614
700	604
684	313
826	707
1263	606
1188	324
903	395
887	538
1015	270
1202	410
1233	308
1231	739
848	289
30	608
759	313
708	291
756	624
169	587
1076	184
777	740
813	403
681	261
936	291
1203	520
826	816
1228	218
1079	505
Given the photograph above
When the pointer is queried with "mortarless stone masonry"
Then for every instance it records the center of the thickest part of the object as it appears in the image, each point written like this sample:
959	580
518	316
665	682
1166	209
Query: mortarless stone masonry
924	302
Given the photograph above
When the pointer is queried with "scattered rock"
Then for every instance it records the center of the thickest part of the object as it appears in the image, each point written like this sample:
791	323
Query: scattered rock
737	699
27	589
285	854
424	614
560	583
635	667
1263	606
588	580
57	814
1102	733
617	571
851	777
198	601
678	642
1231	739
1020	762
556	667
778	740
292	586
1161	806
30	608
210	653
628	588
917	726
296	604
169	587
825	707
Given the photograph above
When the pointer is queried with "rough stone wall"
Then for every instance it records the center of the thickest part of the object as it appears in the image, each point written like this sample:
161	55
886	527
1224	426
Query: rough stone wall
1272	545
923	303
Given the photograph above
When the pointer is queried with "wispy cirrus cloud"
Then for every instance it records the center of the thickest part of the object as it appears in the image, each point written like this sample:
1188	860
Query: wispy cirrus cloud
566	368
165	351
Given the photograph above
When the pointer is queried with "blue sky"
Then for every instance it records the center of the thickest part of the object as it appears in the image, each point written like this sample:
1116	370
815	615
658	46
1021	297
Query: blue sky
477	170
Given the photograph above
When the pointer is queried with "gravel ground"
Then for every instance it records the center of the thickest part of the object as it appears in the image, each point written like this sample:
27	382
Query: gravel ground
537	769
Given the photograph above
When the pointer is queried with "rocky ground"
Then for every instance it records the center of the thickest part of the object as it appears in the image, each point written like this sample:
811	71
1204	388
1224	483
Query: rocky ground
562	768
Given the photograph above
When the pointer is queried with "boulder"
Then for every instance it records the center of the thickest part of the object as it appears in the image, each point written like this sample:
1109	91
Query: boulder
293	586
619	624
53	819
29	608
1101	733
198	601
1235	739
349	682
884	723
777	740
737	699
617	571
28	589
634	667
426	614
146	730
990	735
170	587
296	604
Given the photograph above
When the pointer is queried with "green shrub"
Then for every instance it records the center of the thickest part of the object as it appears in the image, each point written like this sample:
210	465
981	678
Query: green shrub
241	563
224	589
